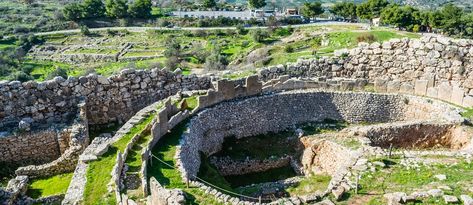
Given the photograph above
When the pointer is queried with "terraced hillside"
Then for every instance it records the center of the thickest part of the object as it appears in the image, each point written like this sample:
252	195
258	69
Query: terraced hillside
107	52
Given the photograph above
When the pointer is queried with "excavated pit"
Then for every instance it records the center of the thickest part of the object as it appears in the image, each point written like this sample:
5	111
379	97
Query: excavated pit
387	120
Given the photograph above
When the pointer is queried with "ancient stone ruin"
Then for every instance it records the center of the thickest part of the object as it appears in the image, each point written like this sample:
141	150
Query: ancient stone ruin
401	95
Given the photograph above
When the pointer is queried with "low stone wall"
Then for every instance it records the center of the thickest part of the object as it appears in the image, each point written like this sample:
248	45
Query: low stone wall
162	196
77	139
227	166
34	147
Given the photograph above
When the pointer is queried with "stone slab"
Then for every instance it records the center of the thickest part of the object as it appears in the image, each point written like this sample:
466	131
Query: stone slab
457	95
421	87
445	91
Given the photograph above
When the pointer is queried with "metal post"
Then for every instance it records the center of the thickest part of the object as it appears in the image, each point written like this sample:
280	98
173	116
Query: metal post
259	200
390	150
187	182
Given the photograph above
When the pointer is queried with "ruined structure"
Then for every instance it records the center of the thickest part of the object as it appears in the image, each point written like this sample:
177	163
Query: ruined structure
44	126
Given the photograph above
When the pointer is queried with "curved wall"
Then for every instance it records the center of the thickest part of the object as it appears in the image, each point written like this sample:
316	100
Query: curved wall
276	112
437	67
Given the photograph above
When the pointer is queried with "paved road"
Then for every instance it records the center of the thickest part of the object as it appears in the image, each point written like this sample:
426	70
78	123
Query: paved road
143	29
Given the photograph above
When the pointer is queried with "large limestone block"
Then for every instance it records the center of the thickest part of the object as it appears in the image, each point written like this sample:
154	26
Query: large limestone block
380	85
445	91
421	87
253	86
457	95
468	101
432	92
393	86
407	88
226	88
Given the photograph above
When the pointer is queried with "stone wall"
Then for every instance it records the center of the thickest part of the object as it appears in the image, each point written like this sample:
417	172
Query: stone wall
417	135
77	139
227	166
111	99
34	147
431	66
276	112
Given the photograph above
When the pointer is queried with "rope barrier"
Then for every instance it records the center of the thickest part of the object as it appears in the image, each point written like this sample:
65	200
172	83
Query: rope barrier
210	184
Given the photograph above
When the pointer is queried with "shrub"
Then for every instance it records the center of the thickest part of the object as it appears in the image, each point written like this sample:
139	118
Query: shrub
84	30
289	49
416	28
369	38
241	29
164	23
123	22
200	33
57	72
21	76
259	35
111	32
216	61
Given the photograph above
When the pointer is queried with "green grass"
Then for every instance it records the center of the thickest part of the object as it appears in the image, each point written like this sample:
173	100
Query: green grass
171	178
49	186
337	40
309	185
98	173
134	159
396	178
468	113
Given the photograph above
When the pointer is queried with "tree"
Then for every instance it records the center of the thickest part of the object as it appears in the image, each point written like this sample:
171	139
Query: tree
93	9
259	35
209	4
172	53
468	22
140	9
400	16
216	61
84	30
73	12
312	10
347	10
371	9
451	19
116	8
27	2
256	4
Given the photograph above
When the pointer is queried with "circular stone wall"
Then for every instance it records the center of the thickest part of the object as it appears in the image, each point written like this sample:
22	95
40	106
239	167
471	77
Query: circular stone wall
277	112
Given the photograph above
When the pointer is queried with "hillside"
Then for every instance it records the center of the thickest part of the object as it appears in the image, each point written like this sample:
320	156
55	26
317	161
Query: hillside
429	4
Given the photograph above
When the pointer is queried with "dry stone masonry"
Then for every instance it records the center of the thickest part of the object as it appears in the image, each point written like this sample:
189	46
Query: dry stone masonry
45	125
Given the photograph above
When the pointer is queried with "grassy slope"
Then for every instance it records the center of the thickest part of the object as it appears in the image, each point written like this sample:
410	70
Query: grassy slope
171	178
49	186
400	179
337	40
310	185
98	173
